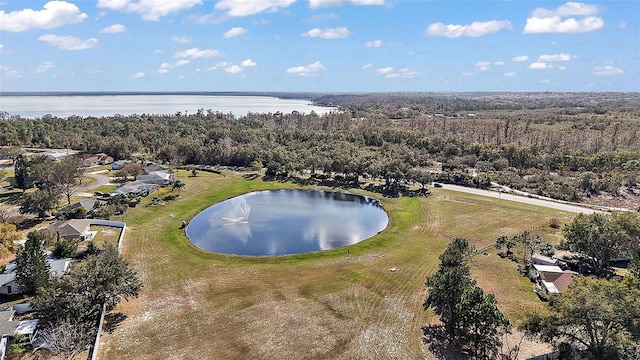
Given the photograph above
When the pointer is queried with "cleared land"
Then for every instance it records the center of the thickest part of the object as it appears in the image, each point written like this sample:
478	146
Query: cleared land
323	305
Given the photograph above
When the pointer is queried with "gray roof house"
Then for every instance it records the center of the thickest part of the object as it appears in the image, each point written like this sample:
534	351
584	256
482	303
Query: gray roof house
72	229
136	188
86	204
9	327
157	177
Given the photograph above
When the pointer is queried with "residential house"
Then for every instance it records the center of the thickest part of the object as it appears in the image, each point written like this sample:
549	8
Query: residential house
10	327
539	259
87	204
137	188
104	159
160	177
117	165
552	279
151	167
8	284
55	155
72	229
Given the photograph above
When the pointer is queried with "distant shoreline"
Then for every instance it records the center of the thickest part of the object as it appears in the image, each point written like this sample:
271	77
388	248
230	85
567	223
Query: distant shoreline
281	95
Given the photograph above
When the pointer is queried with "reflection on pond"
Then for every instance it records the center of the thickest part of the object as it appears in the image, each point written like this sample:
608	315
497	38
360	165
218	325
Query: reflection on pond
282	222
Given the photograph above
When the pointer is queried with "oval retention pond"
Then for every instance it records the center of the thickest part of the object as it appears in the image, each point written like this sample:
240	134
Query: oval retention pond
281	222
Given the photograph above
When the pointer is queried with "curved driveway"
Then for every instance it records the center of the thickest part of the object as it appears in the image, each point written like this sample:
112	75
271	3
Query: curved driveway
100	180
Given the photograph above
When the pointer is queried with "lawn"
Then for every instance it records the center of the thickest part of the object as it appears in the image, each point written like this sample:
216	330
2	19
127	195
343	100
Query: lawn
332	304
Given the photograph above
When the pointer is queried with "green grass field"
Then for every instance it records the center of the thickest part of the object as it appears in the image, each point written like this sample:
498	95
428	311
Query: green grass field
330	304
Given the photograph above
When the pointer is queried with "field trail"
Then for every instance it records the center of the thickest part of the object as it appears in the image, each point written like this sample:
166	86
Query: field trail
335	304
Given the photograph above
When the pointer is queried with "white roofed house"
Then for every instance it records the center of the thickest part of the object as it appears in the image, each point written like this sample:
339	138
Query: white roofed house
157	177
9	286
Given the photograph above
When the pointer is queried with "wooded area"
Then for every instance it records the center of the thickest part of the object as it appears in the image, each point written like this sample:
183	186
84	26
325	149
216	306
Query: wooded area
563	145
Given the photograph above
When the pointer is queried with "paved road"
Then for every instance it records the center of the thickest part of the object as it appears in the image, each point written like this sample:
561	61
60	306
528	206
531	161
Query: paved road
100	180
575	208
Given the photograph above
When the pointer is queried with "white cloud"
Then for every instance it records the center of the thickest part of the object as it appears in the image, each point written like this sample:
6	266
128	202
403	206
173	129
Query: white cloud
69	42
498	63
385	70
511	73
9	72
403	73
138	75
622	25
165	67
237	8
53	15
307	70
195	53
569	9
375	43
329	33
366	67
551	21
555	57
248	63
44	66
113	29
540	66
475	29
483	65
563	68
181	39
606	70
467	73
545	81
234	32
149	9
323	18
314	4
520	58
233	69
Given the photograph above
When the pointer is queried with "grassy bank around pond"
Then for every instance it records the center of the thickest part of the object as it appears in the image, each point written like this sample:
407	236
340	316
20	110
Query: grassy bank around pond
331	304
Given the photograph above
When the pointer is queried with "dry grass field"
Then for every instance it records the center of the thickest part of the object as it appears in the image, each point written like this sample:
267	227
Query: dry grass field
326	305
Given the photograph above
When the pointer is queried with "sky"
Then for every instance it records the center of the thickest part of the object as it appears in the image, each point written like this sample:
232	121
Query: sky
319	45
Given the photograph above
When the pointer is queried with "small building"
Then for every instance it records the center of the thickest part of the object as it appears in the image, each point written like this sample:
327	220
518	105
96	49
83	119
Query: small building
552	279
72	229
117	165
10	327
137	188
87	204
157	177
9	286
538	259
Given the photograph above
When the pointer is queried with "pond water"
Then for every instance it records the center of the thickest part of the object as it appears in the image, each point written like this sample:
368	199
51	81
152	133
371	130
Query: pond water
280	222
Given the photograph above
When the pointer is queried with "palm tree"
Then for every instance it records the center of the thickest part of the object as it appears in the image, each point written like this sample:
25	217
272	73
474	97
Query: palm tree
178	184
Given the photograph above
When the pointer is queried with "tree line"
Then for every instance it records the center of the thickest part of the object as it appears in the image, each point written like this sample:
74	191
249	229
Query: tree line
540	143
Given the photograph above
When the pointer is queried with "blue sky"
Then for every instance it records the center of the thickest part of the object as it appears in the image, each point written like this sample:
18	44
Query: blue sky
319	45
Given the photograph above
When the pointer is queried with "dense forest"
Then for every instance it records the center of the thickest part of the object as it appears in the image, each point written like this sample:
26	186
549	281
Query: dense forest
570	146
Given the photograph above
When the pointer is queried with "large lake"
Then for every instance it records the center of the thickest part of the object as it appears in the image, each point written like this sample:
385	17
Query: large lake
35	106
280	222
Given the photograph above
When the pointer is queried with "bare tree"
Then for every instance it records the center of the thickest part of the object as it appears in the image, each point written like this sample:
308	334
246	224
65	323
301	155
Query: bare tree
8	213
67	176
68	339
